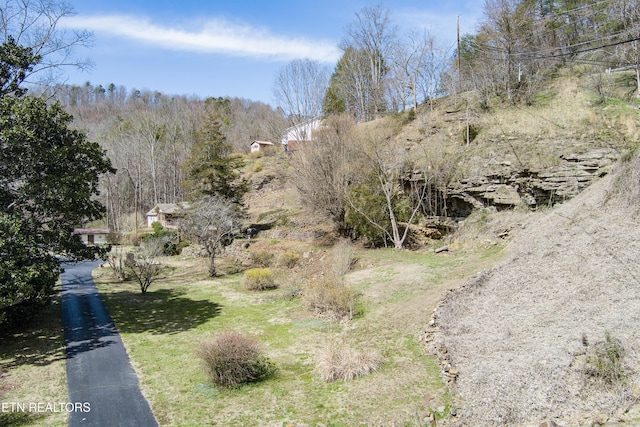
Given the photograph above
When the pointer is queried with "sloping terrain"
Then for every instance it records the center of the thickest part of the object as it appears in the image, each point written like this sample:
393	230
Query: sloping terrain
520	339
519	343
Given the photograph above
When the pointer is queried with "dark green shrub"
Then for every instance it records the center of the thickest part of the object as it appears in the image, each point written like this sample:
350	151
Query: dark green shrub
233	359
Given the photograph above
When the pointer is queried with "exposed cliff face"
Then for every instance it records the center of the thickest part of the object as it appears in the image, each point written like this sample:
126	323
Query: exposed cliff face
507	186
517	342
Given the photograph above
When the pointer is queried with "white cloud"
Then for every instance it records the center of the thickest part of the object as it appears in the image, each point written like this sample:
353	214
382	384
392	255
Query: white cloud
214	36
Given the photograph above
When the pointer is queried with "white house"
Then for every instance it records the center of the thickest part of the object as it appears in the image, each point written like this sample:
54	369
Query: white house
302	132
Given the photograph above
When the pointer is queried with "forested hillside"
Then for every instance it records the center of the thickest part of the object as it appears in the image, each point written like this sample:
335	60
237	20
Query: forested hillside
518	50
149	138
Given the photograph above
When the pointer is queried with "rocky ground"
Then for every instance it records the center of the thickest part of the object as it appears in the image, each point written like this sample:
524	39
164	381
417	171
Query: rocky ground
519	343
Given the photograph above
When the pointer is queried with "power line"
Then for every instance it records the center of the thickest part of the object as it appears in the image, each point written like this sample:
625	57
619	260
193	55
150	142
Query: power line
591	49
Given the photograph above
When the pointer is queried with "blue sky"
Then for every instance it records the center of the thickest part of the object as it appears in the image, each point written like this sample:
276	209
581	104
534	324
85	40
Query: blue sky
232	48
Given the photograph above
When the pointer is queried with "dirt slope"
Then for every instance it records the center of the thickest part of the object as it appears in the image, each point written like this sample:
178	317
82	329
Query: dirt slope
519	334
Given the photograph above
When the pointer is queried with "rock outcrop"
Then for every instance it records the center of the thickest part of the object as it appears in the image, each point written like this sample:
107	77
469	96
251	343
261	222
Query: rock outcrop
510	186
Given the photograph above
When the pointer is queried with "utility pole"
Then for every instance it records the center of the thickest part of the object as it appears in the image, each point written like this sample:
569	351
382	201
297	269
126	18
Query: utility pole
458	32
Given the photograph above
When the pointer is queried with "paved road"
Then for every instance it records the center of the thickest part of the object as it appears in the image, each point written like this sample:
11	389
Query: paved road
99	375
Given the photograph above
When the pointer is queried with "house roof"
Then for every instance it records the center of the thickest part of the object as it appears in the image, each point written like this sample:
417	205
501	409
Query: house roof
168	208
262	142
91	231
315	122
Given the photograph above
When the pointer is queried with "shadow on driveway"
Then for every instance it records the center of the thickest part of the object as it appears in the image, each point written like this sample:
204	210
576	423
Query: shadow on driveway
101	382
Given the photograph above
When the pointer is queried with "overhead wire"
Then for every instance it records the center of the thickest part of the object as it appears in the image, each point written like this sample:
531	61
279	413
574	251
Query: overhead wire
567	50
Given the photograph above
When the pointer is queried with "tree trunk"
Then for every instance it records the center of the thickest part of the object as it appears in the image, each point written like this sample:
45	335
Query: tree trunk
213	272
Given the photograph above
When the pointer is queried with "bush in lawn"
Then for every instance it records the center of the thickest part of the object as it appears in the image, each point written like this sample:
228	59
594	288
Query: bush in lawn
233	359
288	259
259	279
330	295
261	258
342	363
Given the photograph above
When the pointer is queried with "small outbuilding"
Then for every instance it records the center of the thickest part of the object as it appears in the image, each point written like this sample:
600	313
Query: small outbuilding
262	146
93	236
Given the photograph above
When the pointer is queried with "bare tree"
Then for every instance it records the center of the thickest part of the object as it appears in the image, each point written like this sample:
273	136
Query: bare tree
151	130
213	221
351	86
387	165
143	265
299	89
626	14
323	170
372	33
36	24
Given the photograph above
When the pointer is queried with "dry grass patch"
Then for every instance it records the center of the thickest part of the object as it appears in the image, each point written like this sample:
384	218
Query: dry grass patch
340	363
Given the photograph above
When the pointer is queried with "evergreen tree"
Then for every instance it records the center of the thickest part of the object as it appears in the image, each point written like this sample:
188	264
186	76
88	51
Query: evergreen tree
212	170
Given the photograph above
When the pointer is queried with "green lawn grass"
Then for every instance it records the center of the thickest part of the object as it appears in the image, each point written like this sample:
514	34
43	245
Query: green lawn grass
399	291
32	371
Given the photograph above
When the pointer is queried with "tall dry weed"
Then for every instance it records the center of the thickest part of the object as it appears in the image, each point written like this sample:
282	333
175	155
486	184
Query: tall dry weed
330	296
343	257
342	363
626	183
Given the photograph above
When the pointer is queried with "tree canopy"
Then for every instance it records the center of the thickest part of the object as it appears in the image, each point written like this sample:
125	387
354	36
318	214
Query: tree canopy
49	176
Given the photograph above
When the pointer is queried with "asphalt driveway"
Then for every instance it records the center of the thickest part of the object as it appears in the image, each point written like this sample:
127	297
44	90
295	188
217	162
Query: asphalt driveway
102	385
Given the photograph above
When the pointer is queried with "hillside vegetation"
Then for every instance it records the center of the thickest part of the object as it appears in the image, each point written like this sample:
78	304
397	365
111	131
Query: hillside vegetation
519	342
545	329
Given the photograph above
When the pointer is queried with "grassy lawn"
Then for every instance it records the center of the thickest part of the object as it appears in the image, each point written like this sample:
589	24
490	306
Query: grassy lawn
399	291
32	370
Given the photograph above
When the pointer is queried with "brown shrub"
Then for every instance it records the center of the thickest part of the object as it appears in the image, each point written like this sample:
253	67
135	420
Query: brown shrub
233	359
261	258
330	295
288	259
